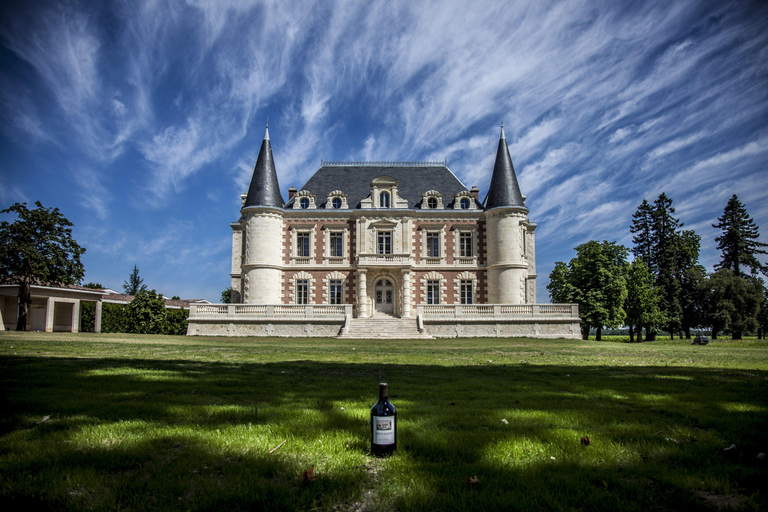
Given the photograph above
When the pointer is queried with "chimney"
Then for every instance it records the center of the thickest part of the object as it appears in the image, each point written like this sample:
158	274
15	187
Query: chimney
291	193
475	193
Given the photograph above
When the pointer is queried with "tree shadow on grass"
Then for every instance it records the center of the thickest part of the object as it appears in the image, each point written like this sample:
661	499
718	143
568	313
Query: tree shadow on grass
163	434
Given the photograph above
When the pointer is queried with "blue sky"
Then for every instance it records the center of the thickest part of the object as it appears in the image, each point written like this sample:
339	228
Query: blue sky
141	121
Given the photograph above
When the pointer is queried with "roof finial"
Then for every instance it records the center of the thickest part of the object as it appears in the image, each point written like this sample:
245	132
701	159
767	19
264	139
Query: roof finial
502	132
266	131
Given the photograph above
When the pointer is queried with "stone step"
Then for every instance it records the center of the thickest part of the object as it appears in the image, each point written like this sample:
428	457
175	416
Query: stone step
384	327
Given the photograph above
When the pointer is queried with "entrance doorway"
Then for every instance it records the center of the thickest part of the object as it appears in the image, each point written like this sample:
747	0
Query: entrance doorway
384	291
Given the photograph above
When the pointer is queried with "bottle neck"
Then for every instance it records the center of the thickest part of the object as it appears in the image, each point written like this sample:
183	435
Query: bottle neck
383	391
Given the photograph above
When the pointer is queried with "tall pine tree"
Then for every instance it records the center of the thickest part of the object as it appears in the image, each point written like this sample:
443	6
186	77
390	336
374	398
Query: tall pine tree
668	253
642	229
738	243
664	256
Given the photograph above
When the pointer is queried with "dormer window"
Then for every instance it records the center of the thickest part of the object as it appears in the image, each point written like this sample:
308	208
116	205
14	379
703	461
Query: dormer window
384	200
336	200
464	200
432	200
304	200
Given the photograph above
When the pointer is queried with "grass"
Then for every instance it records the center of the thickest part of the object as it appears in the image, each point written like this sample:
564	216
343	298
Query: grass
108	422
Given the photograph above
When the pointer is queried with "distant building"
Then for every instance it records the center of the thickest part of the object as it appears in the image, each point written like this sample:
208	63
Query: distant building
57	308
403	244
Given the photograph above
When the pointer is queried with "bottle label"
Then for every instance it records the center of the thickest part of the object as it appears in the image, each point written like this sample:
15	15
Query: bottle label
383	430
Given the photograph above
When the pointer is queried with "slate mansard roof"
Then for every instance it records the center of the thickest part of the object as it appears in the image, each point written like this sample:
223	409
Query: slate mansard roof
355	181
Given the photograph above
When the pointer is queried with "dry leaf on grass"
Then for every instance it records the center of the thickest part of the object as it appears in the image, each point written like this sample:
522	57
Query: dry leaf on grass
309	475
473	482
585	441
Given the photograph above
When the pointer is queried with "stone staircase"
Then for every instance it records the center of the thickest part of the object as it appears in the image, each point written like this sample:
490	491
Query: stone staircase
383	326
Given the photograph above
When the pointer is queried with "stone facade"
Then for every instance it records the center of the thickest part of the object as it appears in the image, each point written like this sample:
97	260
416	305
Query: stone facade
385	238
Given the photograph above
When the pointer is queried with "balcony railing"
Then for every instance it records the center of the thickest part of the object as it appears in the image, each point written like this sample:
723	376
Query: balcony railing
384	259
243	312
497	311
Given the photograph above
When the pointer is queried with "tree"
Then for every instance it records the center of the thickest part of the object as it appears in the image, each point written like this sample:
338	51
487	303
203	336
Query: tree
642	229
689	274
734	303
664	255
226	296
135	283
94	286
668	253
738	243
146	313
595	279
38	248
642	303
762	316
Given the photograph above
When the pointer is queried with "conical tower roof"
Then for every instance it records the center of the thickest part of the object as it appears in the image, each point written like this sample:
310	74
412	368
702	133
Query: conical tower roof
264	189
504	190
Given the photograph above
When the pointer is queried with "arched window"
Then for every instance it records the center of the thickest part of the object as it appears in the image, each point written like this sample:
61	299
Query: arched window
384	200
336	202
304	203
464	203
432	202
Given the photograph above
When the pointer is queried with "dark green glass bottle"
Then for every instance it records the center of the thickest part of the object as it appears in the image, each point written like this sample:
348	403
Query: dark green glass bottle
383	424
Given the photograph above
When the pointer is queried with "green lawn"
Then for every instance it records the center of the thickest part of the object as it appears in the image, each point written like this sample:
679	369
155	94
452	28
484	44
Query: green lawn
107	422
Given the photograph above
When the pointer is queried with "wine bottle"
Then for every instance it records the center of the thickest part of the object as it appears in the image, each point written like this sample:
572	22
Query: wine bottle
383	424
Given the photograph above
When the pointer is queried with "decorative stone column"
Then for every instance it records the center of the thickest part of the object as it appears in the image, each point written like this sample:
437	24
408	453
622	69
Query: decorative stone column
406	292
97	317
75	326
362	294
50	306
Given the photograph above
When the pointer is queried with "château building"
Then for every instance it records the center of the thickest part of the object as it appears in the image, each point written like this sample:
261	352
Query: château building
394	248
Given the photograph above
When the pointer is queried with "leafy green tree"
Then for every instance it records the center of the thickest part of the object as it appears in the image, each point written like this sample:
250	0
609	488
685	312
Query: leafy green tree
688	273
762	316
738	243
38	248
734	303
113	318
177	320
135	283
94	286
595	279
642	303
695	298
146	313
226	296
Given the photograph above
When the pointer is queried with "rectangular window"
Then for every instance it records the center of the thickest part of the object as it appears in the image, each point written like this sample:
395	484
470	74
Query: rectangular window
302	291
335	292
433	245
337	244
384	242
466	292
433	292
302	244
465	245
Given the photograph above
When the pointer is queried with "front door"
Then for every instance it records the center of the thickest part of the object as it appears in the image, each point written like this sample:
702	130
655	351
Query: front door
384	296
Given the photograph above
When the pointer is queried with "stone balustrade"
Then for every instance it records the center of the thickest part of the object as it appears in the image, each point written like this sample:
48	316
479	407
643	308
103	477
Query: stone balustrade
497	311
239	312
384	259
